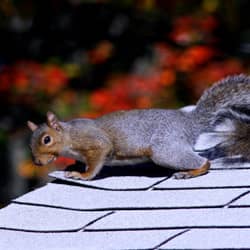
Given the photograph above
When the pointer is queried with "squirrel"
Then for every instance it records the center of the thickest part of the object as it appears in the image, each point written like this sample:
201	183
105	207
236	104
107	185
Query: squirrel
183	140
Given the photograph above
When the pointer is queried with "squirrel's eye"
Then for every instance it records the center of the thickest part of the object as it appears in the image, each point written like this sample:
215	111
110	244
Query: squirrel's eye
46	139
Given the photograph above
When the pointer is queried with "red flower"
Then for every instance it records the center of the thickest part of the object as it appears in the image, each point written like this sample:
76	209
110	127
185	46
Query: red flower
188	30
194	57
55	78
100	98
165	55
90	114
208	23
101	52
215	71
5	81
167	77
144	102
200	54
21	80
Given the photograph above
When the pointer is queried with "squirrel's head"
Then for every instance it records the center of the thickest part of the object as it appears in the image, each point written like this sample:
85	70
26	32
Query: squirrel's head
47	140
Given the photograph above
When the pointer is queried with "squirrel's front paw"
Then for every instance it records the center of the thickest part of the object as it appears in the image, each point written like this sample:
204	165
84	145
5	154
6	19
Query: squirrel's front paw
77	176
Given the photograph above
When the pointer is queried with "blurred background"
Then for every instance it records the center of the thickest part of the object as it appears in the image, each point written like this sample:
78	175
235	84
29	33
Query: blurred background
86	58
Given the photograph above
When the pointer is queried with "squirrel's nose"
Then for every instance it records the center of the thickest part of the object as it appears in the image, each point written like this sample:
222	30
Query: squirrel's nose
38	162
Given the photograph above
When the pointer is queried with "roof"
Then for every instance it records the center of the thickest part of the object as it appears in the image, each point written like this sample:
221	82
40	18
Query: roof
134	211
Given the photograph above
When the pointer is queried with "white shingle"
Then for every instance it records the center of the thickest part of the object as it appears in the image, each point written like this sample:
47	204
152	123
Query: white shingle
244	201
218	164
177	218
86	199
215	178
23	217
114	182
83	240
211	239
151	217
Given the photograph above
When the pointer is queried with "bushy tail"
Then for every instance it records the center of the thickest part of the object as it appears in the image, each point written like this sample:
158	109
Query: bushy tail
232	90
230	136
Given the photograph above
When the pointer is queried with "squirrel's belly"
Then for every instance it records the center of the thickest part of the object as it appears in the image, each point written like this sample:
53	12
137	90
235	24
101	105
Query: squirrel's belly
115	162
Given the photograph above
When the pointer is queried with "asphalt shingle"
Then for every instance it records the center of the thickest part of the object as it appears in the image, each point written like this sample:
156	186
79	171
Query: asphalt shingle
114	183
215	179
84	240
211	239
132	212
90	199
43	219
242	202
174	219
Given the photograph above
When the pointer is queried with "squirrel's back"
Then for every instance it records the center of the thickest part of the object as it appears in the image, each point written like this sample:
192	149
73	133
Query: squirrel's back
137	127
142	120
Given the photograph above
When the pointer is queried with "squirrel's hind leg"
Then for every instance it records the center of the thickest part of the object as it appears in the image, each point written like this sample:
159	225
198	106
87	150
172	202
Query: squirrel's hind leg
193	173
188	162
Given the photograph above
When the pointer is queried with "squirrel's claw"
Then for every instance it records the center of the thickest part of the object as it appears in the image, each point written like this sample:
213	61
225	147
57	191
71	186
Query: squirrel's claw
74	175
77	176
181	175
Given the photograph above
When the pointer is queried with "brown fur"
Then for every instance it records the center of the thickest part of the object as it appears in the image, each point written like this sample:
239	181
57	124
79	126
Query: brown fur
194	172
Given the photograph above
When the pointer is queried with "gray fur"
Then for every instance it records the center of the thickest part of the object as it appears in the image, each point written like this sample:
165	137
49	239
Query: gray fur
155	129
166	137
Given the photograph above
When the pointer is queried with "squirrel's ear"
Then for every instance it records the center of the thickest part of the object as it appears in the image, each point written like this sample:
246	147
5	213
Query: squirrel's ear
53	122
32	126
